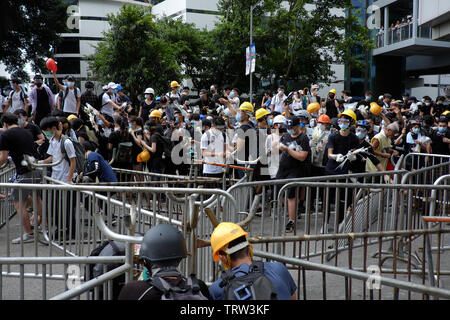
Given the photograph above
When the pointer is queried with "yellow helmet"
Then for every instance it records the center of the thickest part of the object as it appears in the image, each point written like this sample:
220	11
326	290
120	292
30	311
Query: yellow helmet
375	108
71	117
155	114
223	234
246	106
445	112
144	156
350	113
261	112
332	91
313	107
174	84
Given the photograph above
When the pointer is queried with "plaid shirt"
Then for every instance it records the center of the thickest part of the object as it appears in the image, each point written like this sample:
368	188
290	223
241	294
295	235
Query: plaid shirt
89	97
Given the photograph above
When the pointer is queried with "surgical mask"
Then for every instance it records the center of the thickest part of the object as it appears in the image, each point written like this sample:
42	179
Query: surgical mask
65	83
312	123
291	131
323	127
343	126
270	122
131	127
48	134
360	135
427	104
416	130
71	84
100	122
238	117
442	129
147	96
177	120
21	122
231	95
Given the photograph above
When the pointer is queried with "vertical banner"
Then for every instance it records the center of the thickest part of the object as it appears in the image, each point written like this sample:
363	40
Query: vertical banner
253	57
247	61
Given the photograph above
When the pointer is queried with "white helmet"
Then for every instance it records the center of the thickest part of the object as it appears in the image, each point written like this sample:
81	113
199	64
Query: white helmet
279	119
149	90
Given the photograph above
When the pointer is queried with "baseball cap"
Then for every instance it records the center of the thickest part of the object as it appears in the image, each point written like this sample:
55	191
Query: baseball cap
112	85
292	122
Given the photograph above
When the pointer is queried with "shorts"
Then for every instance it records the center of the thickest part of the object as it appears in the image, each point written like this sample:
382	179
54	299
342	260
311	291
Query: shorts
33	177
285	176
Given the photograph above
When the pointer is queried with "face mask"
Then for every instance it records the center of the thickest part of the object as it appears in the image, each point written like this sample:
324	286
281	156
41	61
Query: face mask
367	98
312	123
270	122
416	130
427	104
147	96
65	84
177	121
238	117
360	135
21	122
231	95
343	126
117	129
100	122
442	129
71	84
48	134
291	131
322	127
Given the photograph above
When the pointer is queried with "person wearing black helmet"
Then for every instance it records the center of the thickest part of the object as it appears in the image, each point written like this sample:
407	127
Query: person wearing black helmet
162	250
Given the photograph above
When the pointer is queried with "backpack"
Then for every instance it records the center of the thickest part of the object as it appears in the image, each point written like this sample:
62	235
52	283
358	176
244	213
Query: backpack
64	95
167	146
22	95
169	292
252	286
79	153
106	248
124	149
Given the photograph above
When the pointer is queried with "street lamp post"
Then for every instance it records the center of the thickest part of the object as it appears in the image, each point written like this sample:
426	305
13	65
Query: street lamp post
251	41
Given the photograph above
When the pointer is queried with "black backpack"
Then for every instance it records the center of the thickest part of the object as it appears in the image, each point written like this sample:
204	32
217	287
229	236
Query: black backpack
79	152
106	248
191	290
252	286
167	146
124	149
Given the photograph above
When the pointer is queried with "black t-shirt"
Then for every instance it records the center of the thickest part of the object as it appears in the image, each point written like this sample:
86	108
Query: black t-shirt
146	109
332	111
142	290
289	164
18	141
425	109
251	143
156	158
340	145
437	145
43	106
359	165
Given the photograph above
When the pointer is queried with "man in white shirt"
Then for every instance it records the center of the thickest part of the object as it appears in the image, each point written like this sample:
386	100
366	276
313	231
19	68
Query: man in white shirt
70	97
17	99
109	100
277	101
52	129
213	146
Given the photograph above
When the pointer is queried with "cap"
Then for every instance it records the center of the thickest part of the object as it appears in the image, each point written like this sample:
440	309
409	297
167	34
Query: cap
112	85
292	122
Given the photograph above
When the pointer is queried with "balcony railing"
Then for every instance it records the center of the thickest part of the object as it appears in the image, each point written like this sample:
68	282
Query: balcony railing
402	33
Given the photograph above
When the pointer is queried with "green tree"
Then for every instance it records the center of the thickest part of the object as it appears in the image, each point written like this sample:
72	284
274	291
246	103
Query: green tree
29	30
296	41
141	51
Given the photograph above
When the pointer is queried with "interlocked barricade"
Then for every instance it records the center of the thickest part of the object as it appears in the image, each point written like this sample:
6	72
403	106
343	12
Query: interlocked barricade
77	218
7	173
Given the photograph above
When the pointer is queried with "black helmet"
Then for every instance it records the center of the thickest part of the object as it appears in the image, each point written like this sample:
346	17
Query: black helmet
161	243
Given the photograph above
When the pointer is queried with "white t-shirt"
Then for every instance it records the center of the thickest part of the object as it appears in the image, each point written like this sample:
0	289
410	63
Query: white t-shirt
70	102
277	102
61	171
106	107
213	141
16	101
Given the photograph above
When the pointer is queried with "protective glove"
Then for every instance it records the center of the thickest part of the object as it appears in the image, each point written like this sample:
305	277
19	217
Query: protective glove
339	158
351	157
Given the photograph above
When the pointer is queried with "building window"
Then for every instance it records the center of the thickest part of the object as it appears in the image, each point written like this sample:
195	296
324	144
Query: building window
69	65
68	45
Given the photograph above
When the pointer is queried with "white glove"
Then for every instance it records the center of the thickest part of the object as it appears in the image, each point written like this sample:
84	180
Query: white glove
351	157
339	158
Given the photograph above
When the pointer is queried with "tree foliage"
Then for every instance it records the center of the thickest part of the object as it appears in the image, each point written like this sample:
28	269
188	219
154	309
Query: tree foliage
29	30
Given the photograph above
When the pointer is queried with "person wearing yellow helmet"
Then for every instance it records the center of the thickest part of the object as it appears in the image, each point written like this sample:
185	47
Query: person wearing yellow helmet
339	144
173	94
246	135
331	104
231	247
